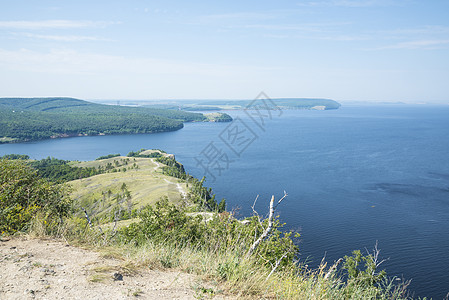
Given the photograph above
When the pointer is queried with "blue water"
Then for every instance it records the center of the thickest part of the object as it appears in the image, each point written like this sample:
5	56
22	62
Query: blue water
354	176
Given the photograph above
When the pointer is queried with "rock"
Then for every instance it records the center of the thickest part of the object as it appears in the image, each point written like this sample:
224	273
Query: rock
117	276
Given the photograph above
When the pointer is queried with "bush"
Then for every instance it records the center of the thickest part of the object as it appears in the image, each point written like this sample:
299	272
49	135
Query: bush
166	223
107	156
24	194
15	156
151	155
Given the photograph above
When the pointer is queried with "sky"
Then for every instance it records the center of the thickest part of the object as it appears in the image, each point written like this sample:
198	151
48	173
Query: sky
365	50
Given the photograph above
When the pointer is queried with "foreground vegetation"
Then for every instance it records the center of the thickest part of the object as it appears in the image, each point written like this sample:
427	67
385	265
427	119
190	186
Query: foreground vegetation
188	233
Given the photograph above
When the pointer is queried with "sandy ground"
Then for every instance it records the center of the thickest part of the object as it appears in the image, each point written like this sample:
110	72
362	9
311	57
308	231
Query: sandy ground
51	269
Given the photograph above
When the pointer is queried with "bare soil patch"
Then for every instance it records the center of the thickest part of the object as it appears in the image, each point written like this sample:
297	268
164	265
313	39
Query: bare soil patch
51	269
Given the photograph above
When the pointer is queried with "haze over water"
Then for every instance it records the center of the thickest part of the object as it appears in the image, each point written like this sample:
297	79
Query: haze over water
354	176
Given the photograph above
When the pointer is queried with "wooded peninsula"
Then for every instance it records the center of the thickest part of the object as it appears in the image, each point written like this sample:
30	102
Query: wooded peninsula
29	119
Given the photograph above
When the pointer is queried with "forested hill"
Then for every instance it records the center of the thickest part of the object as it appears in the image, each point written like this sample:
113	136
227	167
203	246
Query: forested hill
284	103
27	119
273	103
71	105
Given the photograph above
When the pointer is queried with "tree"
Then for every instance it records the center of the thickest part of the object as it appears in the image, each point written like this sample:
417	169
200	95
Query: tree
23	194
222	205
368	276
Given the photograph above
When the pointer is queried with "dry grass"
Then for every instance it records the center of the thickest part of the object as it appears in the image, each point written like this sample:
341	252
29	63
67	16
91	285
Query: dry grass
146	184
232	275
226	271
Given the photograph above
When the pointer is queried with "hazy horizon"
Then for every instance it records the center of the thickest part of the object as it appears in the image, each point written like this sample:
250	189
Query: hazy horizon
349	101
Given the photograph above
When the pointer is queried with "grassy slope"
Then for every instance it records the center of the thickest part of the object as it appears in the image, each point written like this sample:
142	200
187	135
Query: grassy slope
146	184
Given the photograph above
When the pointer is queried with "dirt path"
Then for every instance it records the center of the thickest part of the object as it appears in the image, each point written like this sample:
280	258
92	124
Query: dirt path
179	187
158	165
50	269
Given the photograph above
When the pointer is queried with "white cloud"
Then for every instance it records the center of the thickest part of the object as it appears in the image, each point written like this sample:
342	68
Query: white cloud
238	16
65	38
426	30
307	27
67	61
352	3
418	44
309	31
52	24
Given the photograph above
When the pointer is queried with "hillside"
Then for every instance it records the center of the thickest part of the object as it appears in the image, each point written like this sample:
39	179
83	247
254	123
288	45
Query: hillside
76	106
283	103
216	105
41	118
140	178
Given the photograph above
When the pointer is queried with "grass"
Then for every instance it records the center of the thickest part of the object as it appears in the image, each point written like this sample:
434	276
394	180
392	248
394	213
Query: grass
244	278
143	179
7	139
99	278
224	272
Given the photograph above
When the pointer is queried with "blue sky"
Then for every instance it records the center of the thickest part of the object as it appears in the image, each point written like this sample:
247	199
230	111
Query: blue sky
367	50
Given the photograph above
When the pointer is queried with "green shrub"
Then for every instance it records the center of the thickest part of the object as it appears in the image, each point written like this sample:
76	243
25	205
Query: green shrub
168	223
15	156
164	223
155	154
24	194
363	277
107	156
58	170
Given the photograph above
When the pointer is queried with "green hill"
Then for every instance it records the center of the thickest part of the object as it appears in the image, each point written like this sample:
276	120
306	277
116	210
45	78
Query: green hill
141	177
71	105
26	119
215	105
284	103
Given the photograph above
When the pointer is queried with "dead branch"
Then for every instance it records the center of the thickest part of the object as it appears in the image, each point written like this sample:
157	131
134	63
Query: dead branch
267	230
333	268
278	262
87	217
116	219
255	212
375	257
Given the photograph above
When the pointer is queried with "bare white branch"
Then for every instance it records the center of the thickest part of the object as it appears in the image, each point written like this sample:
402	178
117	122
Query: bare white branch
255	212
267	230
278	262
333	268
280	200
